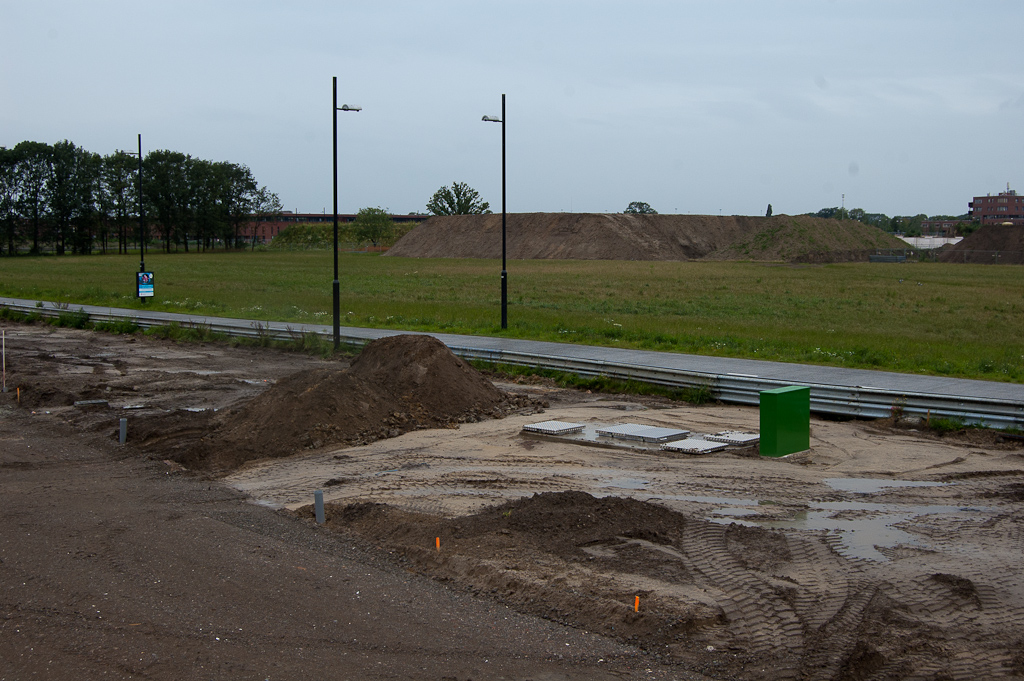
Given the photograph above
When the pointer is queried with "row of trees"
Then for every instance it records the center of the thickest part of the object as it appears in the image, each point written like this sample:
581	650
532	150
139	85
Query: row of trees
64	198
904	224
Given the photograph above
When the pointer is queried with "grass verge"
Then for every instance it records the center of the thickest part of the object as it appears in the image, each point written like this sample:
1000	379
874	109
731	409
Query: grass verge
598	384
931	318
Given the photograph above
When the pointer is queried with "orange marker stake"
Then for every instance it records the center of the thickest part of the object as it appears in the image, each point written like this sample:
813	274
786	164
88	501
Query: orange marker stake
438	543
636	604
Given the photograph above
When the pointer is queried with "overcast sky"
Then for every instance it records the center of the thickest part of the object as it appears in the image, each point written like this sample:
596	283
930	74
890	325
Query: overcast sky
694	107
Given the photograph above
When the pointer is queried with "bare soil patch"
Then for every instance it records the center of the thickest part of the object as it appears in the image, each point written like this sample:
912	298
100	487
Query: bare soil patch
395	385
746	568
990	244
591	236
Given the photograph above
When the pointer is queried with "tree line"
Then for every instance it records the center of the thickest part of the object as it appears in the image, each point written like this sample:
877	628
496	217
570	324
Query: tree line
910	225
63	199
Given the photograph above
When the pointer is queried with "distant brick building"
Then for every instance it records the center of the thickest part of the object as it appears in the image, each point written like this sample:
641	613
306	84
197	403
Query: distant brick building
941	228
995	210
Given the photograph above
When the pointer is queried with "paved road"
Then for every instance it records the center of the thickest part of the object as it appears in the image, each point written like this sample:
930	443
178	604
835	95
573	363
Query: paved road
722	367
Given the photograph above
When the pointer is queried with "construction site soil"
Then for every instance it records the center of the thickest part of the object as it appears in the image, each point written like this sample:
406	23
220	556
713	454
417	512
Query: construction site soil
620	236
989	245
457	548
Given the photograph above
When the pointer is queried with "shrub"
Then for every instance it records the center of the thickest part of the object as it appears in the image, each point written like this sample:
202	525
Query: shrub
119	326
73	319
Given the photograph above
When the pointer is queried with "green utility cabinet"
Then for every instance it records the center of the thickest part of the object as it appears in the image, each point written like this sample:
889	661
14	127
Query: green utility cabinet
785	421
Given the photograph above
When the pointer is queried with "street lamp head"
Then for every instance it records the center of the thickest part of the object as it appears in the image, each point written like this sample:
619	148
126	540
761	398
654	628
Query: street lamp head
346	107
491	119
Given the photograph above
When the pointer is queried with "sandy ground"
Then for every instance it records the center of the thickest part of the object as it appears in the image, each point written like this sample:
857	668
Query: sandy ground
884	533
881	553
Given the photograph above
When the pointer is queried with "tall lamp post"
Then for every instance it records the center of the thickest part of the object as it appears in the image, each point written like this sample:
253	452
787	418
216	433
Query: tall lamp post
504	272
142	247
336	285
139	292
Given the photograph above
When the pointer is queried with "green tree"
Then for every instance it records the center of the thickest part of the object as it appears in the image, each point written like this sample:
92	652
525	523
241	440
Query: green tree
166	191
34	169
640	208
119	198
459	199
203	216
71	191
238	190
768	213
912	226
373	225
9	187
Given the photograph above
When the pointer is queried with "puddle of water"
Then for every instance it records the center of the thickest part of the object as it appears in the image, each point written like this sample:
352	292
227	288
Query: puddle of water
873	485
626	483
859	528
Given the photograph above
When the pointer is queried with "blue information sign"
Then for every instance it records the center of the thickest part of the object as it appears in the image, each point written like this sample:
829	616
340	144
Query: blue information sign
144	284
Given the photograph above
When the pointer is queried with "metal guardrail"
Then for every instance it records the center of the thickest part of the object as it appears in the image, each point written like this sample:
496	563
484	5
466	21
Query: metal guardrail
846	401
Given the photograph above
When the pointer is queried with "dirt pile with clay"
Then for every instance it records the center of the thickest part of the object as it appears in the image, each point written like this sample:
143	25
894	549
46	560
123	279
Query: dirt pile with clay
619	236
990	245
395	385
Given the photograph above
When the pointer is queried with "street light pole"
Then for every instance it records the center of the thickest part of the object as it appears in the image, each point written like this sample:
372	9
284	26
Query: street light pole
142	247
504	271
336	286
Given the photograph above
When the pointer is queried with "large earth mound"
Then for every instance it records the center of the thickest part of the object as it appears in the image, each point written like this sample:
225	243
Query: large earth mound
991	244
397	384
620	236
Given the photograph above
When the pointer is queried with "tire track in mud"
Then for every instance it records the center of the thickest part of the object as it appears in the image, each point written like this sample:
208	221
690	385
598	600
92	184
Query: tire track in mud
758	616
824	588
832	647
985	665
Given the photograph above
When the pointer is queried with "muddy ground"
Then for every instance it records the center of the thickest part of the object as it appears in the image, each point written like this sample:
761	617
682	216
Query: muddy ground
471	551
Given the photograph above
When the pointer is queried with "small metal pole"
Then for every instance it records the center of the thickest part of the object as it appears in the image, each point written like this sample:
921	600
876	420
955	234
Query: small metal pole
5	359
123	435
318	504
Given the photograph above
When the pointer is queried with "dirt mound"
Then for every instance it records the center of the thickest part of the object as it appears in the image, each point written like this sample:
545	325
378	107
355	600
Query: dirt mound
802	238
991	244
397	384
618	236
730	601
581	560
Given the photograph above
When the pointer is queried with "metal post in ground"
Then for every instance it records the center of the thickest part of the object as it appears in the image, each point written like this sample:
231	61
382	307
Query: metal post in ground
318	506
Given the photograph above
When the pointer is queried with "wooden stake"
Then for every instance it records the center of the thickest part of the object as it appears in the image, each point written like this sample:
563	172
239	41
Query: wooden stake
636	604
437	542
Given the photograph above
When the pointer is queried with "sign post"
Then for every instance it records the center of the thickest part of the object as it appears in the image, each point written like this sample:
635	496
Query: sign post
144	285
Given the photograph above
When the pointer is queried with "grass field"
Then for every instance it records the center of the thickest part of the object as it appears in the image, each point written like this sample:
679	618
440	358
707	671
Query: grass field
956	320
